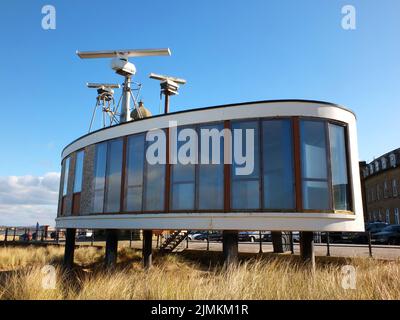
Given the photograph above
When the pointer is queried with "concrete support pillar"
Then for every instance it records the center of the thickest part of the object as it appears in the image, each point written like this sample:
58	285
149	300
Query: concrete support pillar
307	254
277	241
147	248
230	245
111	248
69	248
280	241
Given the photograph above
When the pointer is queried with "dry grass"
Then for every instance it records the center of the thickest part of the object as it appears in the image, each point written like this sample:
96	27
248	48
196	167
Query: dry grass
12	258
178	277
10	237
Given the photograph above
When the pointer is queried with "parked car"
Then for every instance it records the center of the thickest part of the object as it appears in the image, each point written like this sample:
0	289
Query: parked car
373	227
267	237
338	237
214	236
389	235
296	236
25	237
84	235
193	234
200	236
249	236
197	235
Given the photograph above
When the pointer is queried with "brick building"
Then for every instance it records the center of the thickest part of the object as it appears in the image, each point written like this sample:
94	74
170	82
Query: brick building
381	181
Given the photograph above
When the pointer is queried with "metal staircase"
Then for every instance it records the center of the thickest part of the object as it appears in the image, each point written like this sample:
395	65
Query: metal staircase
173	240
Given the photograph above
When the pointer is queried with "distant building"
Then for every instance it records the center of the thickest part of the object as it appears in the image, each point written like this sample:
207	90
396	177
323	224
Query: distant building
381	180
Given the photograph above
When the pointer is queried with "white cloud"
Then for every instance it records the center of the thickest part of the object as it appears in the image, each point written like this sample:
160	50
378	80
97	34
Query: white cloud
25	200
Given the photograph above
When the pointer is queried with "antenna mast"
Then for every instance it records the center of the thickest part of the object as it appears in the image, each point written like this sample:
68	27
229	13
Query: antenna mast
123	67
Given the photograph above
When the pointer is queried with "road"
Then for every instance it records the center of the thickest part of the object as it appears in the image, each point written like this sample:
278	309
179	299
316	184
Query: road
336	250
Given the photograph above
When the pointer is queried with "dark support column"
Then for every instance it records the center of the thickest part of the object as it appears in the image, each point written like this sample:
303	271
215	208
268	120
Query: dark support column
280	241
291	243
147	248
277	241
230	240
111	248
328	249
369	243
307	248
69	248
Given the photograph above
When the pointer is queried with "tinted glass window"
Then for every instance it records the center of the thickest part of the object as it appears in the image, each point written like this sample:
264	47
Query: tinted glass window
99	177
245	193
341	190
277	164
134	173
314	165
78	171
183	177
66	174
154	185
211	175
114	170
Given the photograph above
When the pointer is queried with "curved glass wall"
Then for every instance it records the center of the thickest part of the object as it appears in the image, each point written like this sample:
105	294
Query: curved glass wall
314	165
278	164
99	177
78	171
65	174
113	176
340	183
135	158
210	184
154	183
183	174
246	165
261	174
64	187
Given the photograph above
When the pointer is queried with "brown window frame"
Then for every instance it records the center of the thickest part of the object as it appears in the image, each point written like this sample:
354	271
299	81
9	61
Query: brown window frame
227	124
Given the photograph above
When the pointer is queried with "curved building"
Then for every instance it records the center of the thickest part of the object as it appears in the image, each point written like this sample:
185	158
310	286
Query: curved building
267	165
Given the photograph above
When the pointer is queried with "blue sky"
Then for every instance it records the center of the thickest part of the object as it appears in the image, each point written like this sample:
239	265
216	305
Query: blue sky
229	51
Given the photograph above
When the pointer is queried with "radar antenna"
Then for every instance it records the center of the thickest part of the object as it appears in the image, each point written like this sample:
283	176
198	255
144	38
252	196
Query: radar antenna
169	86
123	67
105	102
